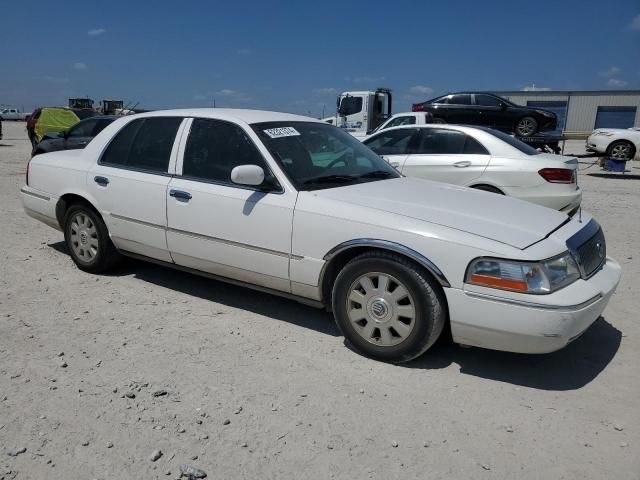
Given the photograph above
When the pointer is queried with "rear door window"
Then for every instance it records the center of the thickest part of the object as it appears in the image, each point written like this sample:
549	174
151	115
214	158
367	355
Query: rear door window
461	99
438	141
83	129
143	144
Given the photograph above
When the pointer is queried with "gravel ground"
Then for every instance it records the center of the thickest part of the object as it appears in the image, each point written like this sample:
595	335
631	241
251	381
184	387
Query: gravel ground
99	372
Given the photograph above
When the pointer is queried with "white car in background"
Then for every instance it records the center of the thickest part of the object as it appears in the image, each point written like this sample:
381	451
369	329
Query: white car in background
617	143
294	206
480	158
406	118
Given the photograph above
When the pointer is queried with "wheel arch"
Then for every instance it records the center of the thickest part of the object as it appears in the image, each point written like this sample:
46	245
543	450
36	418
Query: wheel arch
486	183
341	254
71	198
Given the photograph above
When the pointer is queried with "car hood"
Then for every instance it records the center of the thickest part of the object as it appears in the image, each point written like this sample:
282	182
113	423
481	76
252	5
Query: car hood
617	130
503	219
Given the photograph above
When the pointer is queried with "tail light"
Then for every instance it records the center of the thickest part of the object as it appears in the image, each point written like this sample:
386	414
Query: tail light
558	175
417	107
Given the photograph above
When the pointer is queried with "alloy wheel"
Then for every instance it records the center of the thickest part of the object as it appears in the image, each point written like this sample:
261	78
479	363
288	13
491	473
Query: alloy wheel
381	309
621	151
526	127
84	237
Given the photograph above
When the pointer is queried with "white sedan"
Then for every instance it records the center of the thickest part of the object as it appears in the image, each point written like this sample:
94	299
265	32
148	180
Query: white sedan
481	158
617	143
297	207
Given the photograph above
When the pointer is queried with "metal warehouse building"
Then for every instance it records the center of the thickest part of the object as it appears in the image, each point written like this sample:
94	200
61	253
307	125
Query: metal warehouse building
583	111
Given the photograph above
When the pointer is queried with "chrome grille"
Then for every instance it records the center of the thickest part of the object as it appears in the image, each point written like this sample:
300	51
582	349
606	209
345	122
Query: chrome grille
588	248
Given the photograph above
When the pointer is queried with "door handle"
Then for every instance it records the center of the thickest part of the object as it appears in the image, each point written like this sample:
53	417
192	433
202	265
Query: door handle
462	164
102	181
179	194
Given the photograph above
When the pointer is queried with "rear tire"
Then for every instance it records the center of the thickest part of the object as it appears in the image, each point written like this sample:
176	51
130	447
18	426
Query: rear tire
87	240
387	307
526	127
488	188
621	150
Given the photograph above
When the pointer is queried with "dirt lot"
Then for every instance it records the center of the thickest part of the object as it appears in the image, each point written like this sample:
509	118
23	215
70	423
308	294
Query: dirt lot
253	386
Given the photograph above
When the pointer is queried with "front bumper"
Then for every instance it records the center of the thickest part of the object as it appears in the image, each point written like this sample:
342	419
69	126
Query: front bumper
597	143
520	323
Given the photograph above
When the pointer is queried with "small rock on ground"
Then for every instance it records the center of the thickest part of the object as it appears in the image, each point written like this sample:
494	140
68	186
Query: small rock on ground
155	455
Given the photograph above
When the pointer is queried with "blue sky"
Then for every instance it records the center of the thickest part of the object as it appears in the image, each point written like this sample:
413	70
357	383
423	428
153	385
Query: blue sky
296	56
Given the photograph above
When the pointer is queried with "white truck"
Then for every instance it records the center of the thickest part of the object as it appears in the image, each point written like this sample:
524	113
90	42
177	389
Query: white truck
360	112
12	114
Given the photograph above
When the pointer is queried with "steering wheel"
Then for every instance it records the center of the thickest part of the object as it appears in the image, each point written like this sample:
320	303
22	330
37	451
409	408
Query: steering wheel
344	158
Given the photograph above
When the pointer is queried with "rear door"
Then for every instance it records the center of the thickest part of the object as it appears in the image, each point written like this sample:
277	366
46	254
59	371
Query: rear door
459	109
446	155
394	145
130	183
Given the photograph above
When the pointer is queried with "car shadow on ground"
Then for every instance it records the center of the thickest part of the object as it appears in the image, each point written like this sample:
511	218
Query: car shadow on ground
617	176
254	301
568	369
571	368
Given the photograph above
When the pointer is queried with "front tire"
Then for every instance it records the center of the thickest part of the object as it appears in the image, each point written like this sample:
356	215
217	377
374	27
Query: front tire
387	307
526	127
88	241
621	150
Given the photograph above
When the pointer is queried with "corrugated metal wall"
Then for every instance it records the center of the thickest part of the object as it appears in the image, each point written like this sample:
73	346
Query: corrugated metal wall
582	108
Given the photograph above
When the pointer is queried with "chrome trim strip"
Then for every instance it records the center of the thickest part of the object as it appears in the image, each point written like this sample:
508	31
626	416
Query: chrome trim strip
33	194
240	283
229	242
212	239
385	245
523	303
140	222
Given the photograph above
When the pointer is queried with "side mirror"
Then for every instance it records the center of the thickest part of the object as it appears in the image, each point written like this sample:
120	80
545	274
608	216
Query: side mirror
252	175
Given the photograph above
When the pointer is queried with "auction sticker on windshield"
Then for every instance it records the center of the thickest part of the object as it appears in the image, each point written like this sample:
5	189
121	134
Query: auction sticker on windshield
282	132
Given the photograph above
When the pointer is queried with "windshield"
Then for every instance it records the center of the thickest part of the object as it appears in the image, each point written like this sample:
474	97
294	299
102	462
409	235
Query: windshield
514	142
318	155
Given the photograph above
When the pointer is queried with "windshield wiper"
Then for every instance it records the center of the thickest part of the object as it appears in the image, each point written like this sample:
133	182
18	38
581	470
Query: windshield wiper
377	174
330	179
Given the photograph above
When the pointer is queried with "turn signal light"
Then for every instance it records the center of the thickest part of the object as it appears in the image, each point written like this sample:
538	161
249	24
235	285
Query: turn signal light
417	107
557	175
496	282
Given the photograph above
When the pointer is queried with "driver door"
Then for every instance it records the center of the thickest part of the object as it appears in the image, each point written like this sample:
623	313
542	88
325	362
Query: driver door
217	226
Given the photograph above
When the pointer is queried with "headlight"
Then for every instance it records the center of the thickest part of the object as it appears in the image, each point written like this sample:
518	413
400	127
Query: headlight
527	277
606	134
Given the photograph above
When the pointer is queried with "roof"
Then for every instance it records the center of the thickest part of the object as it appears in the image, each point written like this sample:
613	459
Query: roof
232	114
563	92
